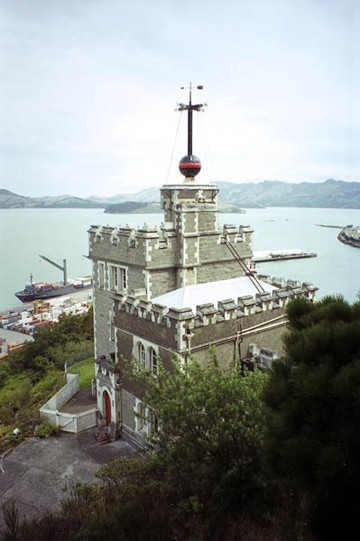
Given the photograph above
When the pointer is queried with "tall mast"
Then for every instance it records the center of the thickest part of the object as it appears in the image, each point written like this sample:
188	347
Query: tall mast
190	124
190	165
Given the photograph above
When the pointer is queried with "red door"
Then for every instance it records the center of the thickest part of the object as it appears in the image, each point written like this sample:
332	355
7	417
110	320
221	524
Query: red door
107	407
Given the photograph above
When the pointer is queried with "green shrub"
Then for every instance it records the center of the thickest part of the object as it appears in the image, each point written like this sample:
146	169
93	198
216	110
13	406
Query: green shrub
60	353
5	372
44	430
11	519
73	334
14	397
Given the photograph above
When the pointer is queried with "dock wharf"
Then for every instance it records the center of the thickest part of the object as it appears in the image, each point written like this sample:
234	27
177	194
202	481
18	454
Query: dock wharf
281	255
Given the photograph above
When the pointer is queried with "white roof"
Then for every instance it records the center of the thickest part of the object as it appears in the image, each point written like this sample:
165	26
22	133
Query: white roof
210	292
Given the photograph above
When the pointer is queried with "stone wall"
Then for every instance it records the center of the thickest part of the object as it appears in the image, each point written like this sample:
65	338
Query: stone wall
158	260
257	320
162	281
230	327
102	323
64	395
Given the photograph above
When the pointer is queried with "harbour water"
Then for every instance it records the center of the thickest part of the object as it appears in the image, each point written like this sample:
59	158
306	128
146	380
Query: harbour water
62	233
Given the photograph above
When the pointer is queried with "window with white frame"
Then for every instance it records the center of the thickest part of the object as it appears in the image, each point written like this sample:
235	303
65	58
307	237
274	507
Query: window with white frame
141	353
118	278
153	358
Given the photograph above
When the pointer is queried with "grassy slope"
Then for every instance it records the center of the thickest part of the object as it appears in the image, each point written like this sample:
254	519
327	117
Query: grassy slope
21	397
86	372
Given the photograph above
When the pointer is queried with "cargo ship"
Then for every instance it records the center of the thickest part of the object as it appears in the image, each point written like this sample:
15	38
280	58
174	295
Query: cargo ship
46	290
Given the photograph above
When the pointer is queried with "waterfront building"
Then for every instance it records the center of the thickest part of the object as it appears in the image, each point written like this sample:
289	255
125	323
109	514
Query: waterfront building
175	291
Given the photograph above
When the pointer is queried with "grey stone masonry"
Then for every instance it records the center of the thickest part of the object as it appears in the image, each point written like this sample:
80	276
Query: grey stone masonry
177	321
132	266
188	248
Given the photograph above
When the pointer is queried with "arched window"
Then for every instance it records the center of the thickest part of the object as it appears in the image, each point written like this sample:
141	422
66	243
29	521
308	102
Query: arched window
141	352
153	361
141	415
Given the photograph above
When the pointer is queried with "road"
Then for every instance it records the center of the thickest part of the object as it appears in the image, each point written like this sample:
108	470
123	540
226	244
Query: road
36	473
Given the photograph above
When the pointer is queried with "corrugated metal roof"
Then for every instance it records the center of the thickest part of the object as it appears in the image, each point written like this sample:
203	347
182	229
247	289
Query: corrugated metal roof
210	292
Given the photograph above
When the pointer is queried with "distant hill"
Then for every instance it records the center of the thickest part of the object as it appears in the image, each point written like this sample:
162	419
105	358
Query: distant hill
143	196
329	194
133	207
269	193
10	200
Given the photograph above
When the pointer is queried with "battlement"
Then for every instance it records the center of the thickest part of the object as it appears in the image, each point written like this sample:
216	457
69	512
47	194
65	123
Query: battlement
98	233
209	314
158	237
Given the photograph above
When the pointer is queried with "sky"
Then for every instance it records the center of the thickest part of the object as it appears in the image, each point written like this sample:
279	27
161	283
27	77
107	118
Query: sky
89	91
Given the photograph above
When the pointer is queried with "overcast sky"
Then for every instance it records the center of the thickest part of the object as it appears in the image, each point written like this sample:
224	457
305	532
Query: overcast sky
89	90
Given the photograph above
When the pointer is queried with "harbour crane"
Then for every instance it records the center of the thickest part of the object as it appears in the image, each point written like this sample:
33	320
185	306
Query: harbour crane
62	268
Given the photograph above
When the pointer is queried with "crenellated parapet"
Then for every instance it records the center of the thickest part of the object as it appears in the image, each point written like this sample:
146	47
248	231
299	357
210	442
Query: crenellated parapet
209	314
165	232
235	235
130	236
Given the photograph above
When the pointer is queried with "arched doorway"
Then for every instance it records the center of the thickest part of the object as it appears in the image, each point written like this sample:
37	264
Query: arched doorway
107	408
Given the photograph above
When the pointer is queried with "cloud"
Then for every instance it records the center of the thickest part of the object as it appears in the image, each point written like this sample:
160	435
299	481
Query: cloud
88	91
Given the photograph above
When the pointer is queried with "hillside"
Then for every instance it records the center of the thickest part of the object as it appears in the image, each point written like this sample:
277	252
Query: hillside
143	196
10	200
268	193
133	207
329	194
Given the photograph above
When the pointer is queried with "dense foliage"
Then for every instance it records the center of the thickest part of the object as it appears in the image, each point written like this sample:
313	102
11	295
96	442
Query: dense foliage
314	400
52	345
212	427
203	471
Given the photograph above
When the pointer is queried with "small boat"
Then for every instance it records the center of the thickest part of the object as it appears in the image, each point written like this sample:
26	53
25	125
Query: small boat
46	290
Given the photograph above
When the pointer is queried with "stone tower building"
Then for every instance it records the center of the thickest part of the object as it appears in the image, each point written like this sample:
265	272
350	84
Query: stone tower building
176	290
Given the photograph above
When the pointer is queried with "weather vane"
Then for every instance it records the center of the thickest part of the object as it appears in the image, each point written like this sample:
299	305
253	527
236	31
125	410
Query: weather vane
190	165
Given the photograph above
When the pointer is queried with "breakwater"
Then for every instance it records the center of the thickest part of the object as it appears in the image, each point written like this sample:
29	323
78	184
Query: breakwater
350	236
331	226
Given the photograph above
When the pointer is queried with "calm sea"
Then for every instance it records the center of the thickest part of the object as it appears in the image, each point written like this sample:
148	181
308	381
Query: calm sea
62	233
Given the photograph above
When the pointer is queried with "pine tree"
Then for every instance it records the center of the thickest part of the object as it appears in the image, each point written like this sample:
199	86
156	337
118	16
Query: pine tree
313	442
